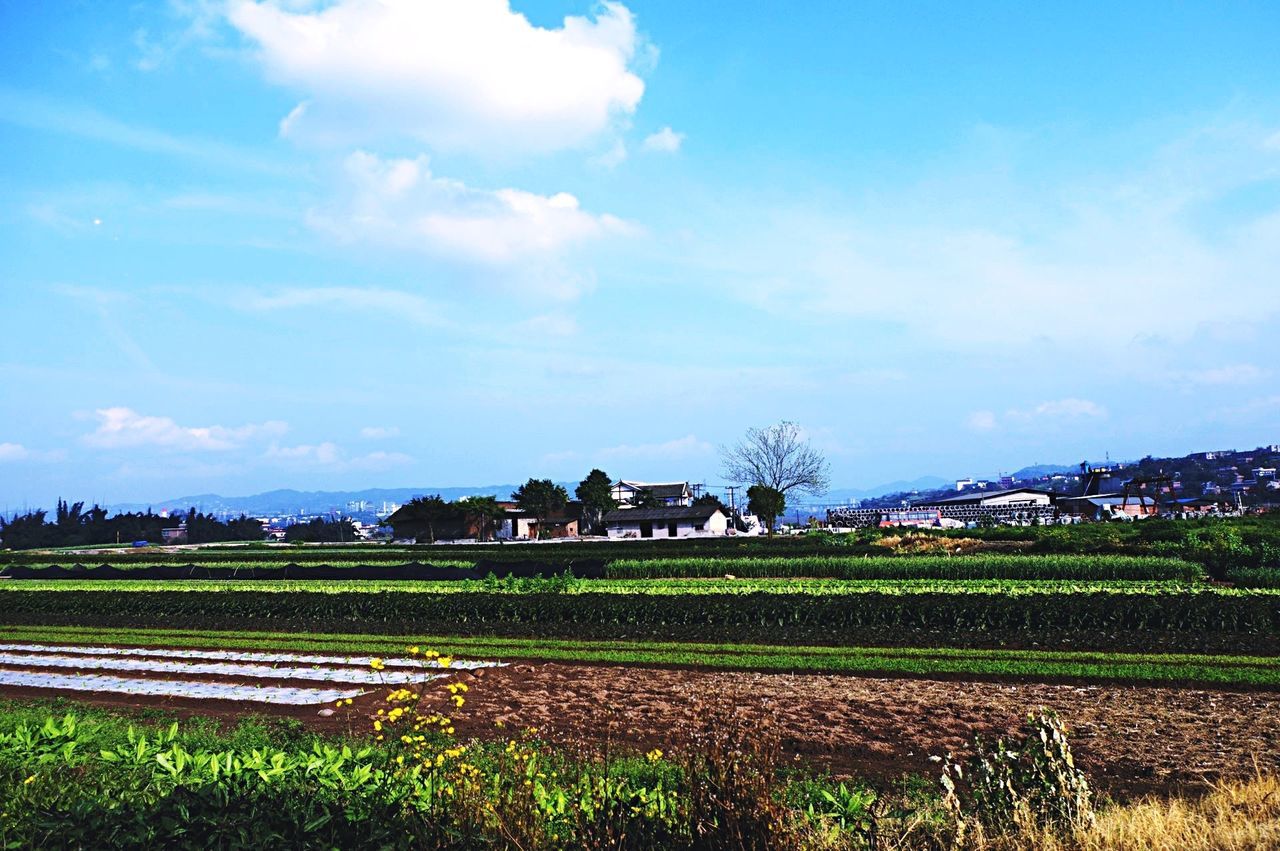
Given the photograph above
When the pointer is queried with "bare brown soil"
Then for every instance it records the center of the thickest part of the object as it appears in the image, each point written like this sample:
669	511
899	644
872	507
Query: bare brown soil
1130	739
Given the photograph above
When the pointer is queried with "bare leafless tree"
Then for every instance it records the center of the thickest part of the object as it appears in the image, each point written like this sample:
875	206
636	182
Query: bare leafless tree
778	456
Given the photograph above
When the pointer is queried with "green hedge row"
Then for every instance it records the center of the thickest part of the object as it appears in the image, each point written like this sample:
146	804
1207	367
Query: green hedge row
759	616
1061	567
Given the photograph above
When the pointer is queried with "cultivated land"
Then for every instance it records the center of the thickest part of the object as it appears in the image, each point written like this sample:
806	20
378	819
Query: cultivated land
867	656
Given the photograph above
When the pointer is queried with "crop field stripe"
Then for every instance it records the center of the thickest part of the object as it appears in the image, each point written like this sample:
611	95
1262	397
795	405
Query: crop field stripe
645	587
850	661
78	633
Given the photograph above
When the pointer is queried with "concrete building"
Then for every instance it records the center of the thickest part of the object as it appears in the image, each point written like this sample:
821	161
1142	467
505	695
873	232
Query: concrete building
679	521
1108	506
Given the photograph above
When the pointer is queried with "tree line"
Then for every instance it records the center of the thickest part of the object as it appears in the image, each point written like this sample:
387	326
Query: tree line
74	526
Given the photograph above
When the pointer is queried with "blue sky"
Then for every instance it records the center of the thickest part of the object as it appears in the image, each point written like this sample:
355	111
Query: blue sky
248	245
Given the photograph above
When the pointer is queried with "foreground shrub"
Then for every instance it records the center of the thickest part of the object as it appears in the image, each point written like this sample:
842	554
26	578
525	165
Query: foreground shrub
1004	789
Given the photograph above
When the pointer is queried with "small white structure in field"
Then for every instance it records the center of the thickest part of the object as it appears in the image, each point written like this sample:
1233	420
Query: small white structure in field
680	521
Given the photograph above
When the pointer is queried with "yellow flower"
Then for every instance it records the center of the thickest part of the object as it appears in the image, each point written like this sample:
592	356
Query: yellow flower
414	650
654	755
29	780
444	661
377	664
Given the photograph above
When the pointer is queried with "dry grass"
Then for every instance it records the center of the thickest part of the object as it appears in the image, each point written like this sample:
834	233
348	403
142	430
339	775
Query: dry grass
917	544
1237	815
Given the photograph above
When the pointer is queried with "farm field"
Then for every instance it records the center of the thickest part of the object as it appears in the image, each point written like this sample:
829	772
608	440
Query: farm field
859	667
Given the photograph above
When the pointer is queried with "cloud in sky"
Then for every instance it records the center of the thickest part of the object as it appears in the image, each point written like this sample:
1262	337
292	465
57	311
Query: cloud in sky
14	452
646	454
665	141
1045	414
121	428
1232	374
399	202
383	302
379	432
330	457
1153	247
455	74
38	112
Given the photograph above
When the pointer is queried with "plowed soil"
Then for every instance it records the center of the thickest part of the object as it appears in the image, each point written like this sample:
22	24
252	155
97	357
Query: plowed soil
1130	739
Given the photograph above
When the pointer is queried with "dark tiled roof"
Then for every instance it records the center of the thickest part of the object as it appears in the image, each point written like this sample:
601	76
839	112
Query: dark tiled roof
674	512
661	490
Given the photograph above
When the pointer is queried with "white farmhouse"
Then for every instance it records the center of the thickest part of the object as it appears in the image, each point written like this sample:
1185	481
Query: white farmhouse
678	521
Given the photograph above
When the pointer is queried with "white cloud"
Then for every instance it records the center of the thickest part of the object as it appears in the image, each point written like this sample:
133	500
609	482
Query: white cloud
1060	409
688	446
330	457
549	325
683	448
1157	247
323	454
405	306
14	452
1043	415
1239	373
666	141
399	202
120	428
379	432
613	157
981	421
459	74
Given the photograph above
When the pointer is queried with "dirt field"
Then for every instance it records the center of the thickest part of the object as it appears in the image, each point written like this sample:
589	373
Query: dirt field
1130	739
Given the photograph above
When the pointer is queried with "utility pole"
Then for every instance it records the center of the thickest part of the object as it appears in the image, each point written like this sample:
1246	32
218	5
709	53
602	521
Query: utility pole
733	506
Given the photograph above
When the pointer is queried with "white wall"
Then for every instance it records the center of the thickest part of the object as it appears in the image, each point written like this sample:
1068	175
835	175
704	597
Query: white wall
716	524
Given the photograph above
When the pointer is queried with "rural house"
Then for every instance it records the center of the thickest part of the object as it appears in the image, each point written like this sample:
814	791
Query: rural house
625	493
677	521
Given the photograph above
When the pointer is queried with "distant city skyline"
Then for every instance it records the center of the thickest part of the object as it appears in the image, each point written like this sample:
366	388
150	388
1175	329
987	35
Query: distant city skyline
341	245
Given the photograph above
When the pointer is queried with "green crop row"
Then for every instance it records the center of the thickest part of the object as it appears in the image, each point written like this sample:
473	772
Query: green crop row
643	587
1254	577
760	615
1028	664
915	567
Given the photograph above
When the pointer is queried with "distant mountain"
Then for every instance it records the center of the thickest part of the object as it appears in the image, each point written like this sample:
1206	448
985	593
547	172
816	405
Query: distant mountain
313	502
924	483
1037	470
288	501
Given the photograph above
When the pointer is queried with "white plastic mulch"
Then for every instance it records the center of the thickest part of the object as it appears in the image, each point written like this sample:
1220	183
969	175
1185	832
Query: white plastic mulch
176	673
175	688
237	655
367	676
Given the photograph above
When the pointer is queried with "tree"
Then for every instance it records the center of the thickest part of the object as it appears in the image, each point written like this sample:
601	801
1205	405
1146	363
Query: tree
778	457
541	498
644	498
595	492
486	511
766	503
712	499
422	515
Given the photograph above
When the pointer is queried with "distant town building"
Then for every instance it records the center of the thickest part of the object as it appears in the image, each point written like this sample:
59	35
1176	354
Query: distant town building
1107	506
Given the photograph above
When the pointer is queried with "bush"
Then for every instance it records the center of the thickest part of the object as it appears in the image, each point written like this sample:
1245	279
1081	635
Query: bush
1005	789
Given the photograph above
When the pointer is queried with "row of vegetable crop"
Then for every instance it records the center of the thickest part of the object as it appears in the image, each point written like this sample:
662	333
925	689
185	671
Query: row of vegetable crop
1047	567
1036	664
368	553
915	567
645	587
762	615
